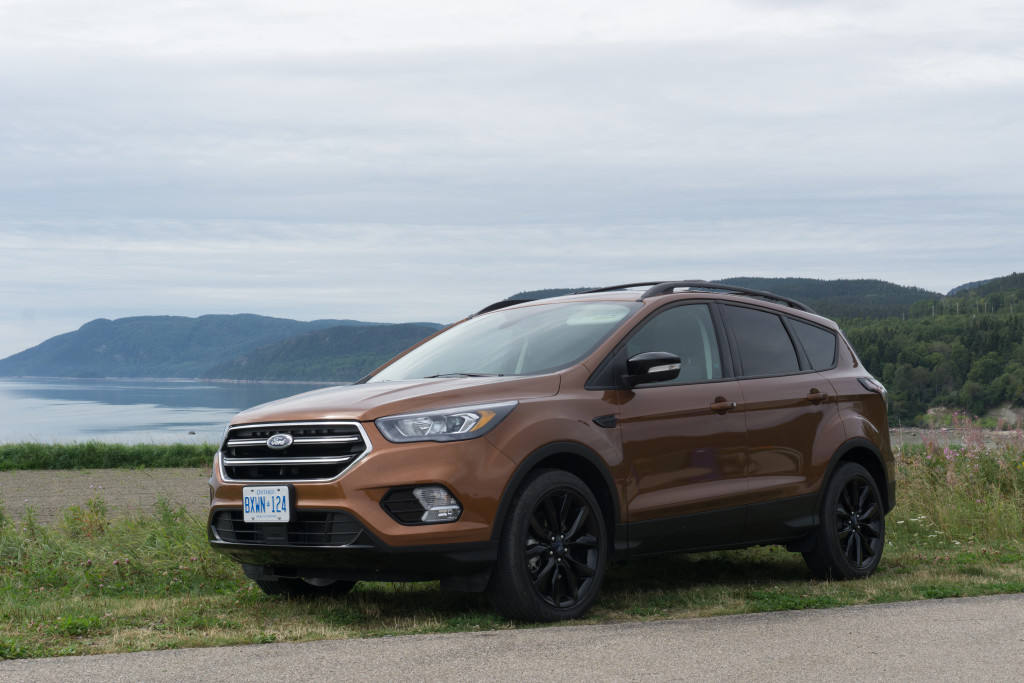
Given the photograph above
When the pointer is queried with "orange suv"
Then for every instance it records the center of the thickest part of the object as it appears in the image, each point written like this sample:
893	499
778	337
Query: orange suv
519	451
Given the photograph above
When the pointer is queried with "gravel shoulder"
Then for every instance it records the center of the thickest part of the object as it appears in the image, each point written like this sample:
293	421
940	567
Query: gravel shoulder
50	492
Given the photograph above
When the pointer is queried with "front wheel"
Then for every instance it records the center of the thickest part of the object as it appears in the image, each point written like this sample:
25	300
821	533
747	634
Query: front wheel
851	533
553	550
306	588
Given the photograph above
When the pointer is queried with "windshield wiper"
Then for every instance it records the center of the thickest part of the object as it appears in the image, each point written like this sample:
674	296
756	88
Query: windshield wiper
462	374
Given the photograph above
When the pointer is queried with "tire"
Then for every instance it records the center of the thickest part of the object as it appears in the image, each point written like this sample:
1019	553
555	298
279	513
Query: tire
306	588
552	552
851	532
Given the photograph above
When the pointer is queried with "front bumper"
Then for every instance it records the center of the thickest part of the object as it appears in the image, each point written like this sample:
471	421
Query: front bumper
269	552
340	529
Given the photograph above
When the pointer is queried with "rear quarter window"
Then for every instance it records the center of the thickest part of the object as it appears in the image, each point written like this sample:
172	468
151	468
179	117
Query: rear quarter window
819	344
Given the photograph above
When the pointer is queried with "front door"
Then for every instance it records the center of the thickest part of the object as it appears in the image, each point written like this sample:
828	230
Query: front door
684	441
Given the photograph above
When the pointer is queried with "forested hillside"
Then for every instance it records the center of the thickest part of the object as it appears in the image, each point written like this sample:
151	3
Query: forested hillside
153	346
842	298
964	351
830	298
337	354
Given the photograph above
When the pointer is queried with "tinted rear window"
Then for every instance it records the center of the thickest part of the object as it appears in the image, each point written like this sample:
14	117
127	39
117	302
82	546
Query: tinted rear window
819	344
762	341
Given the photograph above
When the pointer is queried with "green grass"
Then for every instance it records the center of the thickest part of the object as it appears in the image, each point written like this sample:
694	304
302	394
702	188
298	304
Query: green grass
99	455
92	584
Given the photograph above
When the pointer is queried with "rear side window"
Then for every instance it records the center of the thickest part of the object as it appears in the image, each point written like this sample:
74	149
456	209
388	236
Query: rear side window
762	341
819	344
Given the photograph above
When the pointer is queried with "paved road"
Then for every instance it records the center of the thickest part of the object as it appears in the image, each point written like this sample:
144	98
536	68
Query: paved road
965	639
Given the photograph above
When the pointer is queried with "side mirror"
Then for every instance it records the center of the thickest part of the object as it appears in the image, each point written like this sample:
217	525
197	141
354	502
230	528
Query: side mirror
653	366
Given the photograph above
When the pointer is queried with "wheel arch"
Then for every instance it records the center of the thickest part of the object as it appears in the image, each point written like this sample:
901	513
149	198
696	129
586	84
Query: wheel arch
575	459
867	455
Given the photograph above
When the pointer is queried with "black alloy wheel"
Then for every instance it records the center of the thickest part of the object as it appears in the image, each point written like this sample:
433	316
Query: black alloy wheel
851	535
553	550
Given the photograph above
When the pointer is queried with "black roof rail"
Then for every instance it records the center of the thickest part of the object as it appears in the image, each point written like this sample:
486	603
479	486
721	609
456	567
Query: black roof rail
498	305
662	287
632	284
702	285
667	287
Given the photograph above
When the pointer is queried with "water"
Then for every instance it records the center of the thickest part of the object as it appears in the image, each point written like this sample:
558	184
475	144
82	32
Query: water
127	411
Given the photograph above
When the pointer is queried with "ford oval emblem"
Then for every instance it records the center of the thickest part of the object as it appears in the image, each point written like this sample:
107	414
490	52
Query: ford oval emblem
279	441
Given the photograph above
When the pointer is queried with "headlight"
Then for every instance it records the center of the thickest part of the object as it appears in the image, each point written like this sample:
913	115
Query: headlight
452	424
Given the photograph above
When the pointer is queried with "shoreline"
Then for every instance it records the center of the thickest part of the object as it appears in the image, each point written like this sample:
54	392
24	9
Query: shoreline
178	379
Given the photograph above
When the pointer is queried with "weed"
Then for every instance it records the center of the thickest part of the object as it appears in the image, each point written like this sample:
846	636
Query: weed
92	584
99	455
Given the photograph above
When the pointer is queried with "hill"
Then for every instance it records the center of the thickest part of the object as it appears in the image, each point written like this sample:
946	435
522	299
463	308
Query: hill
154	346
964	350
842	298
337	354
830	298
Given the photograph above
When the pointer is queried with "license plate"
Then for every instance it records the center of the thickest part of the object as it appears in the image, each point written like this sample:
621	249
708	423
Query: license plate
265	504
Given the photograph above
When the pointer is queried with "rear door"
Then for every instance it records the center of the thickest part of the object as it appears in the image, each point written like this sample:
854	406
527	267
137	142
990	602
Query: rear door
788	407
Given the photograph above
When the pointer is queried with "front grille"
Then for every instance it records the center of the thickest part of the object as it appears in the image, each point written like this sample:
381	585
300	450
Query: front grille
309	527
318	450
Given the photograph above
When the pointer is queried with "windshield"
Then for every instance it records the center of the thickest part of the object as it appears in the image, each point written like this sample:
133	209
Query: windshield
521	341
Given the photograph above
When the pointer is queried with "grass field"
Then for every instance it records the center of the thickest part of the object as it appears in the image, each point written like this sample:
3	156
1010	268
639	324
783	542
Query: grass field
99	455
94	583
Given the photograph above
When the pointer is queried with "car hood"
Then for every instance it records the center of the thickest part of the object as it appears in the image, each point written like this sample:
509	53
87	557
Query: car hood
366	402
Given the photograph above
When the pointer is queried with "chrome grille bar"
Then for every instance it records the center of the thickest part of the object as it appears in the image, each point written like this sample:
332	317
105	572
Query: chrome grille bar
298	440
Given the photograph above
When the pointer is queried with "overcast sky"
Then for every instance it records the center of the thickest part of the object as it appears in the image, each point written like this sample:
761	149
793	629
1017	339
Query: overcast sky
396	160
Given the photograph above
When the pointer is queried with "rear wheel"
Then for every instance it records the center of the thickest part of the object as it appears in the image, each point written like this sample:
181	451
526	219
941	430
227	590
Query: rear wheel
851	533
306	588
553	550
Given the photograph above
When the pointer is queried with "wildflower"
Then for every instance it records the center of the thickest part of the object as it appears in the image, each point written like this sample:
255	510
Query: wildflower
115	563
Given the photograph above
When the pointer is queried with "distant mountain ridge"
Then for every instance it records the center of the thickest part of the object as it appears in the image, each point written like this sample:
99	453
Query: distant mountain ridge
830	298
254	347
169	346
336	354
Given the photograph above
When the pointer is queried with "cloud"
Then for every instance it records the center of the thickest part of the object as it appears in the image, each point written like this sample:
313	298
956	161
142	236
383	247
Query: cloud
399	160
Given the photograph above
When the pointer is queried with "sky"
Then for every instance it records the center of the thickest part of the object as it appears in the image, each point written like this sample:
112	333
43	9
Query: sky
400	161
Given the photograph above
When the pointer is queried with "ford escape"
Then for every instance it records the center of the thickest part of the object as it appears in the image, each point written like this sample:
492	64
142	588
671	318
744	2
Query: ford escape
521	450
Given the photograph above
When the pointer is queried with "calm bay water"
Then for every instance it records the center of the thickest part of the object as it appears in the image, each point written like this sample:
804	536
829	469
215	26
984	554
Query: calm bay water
127	411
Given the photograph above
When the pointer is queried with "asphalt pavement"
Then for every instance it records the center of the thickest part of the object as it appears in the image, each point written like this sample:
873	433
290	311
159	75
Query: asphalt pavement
935	640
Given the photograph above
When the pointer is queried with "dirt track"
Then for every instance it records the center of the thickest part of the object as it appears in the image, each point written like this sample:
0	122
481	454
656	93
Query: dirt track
49	492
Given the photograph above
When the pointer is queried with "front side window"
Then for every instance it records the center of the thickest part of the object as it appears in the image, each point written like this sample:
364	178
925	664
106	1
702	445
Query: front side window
762	341
521	341
686	331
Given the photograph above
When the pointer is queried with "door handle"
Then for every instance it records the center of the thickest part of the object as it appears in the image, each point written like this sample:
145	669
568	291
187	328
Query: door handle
816	397
722	406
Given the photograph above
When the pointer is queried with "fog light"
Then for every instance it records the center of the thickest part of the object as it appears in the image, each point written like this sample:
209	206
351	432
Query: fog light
438	504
